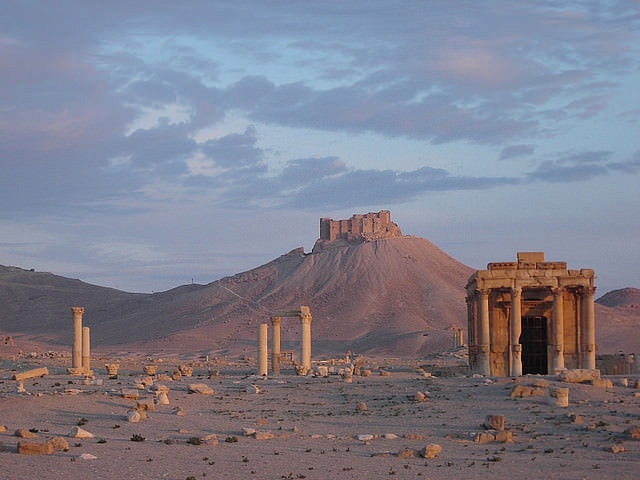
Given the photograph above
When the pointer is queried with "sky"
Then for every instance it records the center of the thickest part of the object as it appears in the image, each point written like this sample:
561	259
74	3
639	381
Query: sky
150	144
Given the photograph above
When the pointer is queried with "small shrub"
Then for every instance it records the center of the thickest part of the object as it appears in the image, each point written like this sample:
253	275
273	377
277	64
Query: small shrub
136	437
82	421
231	439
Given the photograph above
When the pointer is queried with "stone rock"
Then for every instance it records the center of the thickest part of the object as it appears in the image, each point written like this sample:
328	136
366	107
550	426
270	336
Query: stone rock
406	453
145	405
179	411
494	422
521	391
483	437
541	383
365	437
186	370
253	388
616	448
87	456
431	451
413	436
420	397
504	437
201	388
263	435
638	383
362	407
59	443
130	394
77	432
390	436
602	383
385	373
36	372
322	370
248	431
559	397
134	416
159	388
162	398
3	428
579	375
149	369
633	433
27	447
24	433
624	382
163	377
147	381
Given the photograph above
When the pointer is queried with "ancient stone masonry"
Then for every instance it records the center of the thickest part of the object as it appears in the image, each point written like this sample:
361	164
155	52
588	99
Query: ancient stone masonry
530	316
359	228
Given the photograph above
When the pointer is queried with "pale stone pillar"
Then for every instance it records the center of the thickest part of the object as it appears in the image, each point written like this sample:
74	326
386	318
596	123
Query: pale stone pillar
636	363
516	331
86	349
275	349
589	334
557	325
76	351
263	354
305	326
484	350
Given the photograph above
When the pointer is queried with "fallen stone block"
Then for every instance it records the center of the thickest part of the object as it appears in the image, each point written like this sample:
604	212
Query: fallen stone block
413	436
494	422
36	372
633	433
149	369
24	433
559	397
263	435
130	394
406	453
601	383
27	447
504	437
579	375
162	398
77	432
146	405
484	437
201	388
521	391
59	443
431	451
362	407
616	448
365	437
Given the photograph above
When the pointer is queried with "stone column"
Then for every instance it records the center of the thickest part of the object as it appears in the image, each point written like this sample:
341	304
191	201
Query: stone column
589	333
557	329
484	350
305	348
86	349
516	331
275	349
76	351
263	354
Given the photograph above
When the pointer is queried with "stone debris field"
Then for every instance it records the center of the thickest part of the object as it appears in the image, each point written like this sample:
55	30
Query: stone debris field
169	418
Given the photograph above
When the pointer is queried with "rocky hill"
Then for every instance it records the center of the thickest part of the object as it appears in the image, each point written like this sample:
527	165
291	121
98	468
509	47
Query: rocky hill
394	296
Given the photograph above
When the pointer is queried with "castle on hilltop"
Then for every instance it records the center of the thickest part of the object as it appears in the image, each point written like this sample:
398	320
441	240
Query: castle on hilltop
359	228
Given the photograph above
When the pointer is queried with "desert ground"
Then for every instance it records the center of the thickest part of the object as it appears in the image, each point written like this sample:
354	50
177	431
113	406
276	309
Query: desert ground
374	424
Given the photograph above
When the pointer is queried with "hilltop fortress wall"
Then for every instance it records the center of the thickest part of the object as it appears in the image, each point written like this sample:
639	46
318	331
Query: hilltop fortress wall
359	228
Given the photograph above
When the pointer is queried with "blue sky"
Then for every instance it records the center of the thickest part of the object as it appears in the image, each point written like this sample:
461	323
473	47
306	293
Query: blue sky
145	144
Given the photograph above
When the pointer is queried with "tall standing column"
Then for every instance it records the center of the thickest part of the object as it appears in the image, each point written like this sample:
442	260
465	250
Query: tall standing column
589	334
305	327
86	349
275	349
76	351
557	322
484	353
263	354
516	331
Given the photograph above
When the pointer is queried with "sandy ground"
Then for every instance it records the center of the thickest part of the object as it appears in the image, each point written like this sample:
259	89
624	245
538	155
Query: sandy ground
312	425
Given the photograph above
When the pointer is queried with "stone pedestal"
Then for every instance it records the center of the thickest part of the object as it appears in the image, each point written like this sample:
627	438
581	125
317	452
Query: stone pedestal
263	354
559	397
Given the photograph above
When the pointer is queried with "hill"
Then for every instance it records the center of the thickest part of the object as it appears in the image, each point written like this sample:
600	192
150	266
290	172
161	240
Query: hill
394	296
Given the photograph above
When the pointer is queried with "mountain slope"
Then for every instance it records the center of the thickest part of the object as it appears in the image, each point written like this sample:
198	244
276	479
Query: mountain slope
394	296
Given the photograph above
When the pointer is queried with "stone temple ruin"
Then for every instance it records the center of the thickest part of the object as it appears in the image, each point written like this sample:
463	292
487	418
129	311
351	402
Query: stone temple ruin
530	317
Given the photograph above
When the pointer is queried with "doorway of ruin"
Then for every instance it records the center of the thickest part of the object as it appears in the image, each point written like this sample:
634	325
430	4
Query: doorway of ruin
534	345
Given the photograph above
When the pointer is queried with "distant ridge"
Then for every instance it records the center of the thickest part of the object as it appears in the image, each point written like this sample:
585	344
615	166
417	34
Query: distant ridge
396	296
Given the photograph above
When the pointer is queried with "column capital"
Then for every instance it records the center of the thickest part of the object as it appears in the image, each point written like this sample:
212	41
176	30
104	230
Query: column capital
516	290
557	290
77	310
482	291
588	290
305	317
276	320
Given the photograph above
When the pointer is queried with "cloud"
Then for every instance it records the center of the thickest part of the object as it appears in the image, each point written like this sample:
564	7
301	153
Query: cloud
572	167
513	151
